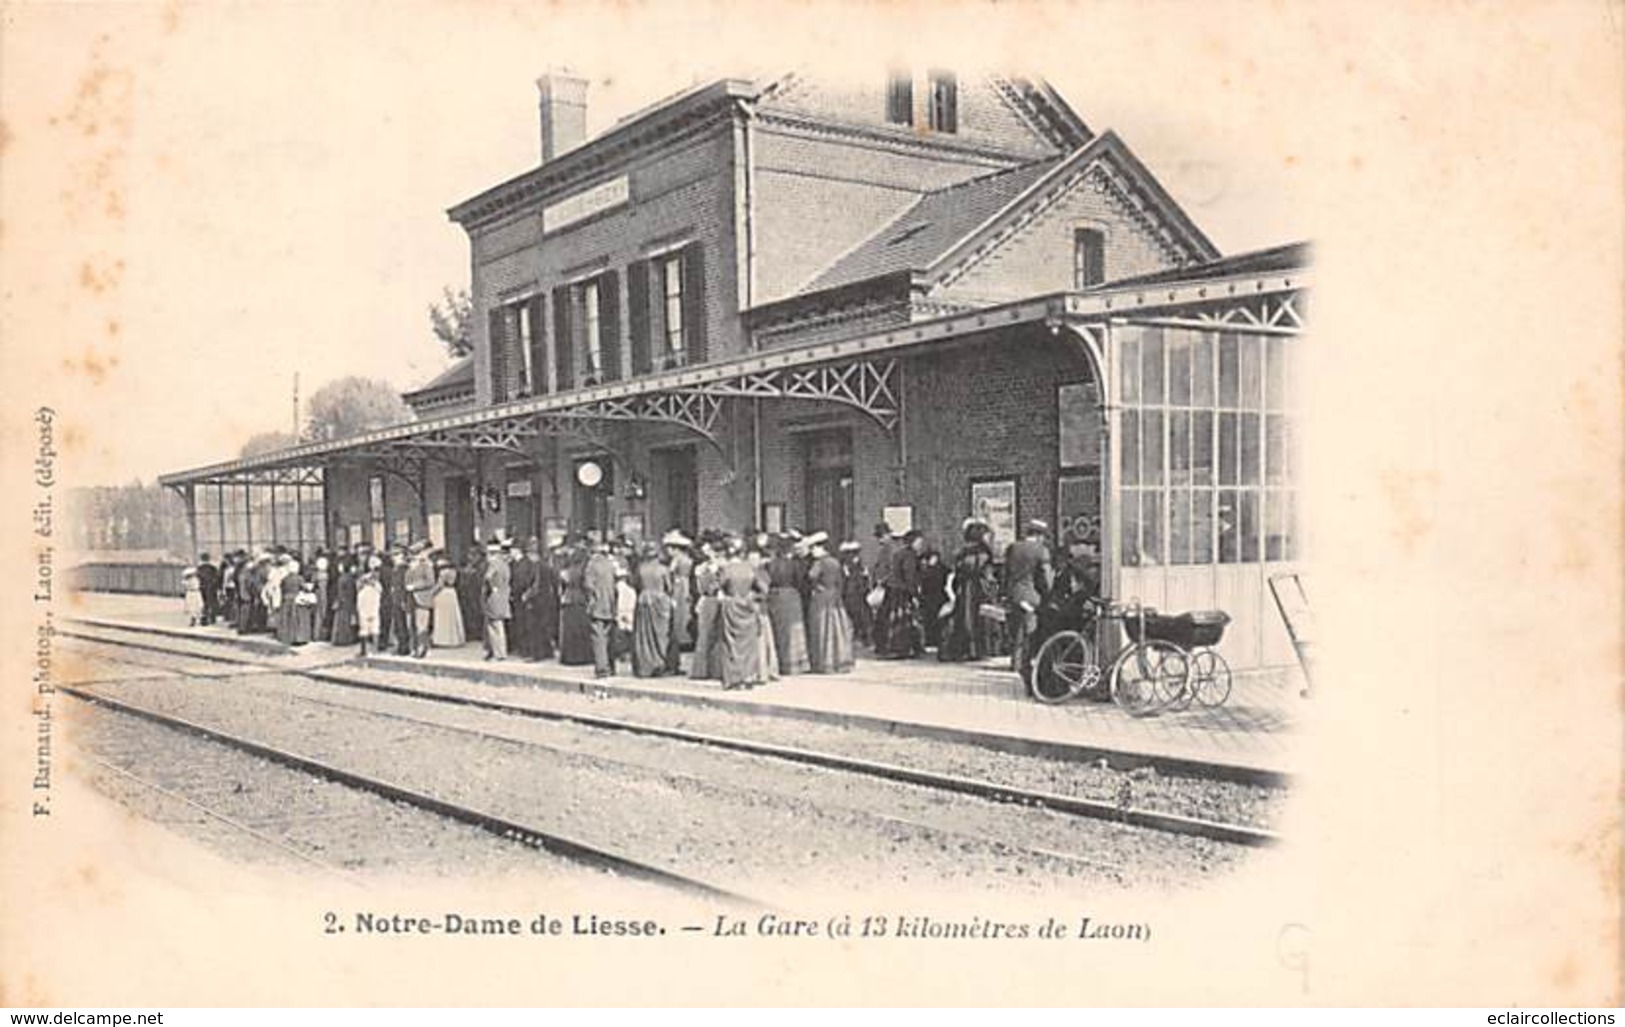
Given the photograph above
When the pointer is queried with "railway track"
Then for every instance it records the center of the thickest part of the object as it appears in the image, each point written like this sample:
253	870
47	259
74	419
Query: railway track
344	674
491	823
1069	805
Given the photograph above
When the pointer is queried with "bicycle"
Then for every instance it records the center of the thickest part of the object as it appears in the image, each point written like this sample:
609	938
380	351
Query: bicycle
1169	663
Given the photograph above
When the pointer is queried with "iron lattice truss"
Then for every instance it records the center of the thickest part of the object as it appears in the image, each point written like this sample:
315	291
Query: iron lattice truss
867	385
1279	313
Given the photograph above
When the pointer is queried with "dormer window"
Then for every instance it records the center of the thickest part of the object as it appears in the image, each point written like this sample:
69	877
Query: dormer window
944	102
900	98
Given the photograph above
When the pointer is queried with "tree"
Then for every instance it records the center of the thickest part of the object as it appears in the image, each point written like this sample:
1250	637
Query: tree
351	406
267	442
452	319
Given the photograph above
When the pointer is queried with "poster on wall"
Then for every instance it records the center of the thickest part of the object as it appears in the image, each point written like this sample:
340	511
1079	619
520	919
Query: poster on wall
403	531
354	535
773	518
437	530
994	504
898	518
632	527
554	530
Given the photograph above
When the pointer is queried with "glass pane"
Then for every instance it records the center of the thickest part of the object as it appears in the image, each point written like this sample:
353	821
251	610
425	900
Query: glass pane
1227	448
1079	415
1252	372
1179	367
1229	371
1275	373
1151	392
1248	502
1151	447
1277	458
1277	504
1131	447
1227	516
1202	370
1131	528
1179	447
1179	526
1202	526
1202	447
1151	552
1251	448
1128	359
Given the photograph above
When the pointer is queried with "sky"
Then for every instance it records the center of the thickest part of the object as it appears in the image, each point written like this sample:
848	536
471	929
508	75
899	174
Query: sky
202	202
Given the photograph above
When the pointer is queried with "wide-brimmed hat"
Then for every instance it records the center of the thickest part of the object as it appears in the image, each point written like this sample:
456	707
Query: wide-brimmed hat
676	538
851	546
1036	527
419	546
817	538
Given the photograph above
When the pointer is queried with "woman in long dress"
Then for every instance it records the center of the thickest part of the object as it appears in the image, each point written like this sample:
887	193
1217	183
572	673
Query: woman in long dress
898	627
742	629
470	593
304	613
786	576
651	618
324	597
288	587
708	586
448	611
965	635
345	605
829	629
575	625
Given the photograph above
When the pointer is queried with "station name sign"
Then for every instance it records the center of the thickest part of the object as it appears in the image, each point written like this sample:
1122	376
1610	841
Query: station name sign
585	204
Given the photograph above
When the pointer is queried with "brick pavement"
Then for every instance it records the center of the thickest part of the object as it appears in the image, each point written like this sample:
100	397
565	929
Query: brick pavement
1253	731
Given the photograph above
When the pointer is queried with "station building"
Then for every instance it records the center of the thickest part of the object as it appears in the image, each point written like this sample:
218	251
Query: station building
795	303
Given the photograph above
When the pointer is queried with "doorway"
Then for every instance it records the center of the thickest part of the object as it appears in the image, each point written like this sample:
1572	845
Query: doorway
827	457
677	490
459	515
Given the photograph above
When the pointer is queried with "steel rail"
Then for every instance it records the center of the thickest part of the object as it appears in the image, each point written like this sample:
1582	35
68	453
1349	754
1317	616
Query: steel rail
502	827
1174	823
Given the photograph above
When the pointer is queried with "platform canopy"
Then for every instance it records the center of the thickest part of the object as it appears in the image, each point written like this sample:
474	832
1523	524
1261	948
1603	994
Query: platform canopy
1257	293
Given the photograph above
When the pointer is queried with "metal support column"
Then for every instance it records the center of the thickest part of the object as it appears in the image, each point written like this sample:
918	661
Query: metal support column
1111	497
190	496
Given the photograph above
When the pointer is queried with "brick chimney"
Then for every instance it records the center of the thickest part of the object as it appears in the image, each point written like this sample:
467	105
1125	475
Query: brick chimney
564	112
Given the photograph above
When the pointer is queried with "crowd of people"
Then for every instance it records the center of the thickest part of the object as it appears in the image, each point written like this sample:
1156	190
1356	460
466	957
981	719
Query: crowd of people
749	608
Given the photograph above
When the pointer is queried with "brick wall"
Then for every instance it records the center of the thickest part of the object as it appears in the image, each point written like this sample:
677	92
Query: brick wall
1038	257
682	192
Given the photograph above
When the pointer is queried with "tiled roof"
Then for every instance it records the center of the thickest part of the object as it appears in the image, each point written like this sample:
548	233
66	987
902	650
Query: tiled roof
1287	257
916	238
458	375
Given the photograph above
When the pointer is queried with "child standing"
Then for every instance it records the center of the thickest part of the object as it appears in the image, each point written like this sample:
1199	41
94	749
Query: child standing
192	597
368	598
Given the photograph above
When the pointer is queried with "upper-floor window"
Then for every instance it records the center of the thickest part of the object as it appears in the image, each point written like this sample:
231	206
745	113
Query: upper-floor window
944	101
527	347
1088	258
671	274
900	98
592	332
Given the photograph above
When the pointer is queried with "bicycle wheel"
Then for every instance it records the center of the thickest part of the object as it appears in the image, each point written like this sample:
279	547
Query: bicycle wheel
1210	678
1148	675
1065	667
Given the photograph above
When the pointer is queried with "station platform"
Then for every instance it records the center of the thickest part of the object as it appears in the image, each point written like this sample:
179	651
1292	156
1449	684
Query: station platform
1251	737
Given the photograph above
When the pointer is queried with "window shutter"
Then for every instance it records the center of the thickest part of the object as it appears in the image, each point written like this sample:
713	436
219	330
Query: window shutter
637	315
609	323
498	349
694	340
513	362
538	344
563	339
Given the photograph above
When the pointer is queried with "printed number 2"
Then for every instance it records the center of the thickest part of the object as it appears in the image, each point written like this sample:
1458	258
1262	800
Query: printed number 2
331	923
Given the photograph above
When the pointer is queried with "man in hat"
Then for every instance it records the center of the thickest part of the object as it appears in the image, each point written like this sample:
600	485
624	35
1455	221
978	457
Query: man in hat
680	579
522	579
418	582
538	602
498	603
599	579
1027	579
